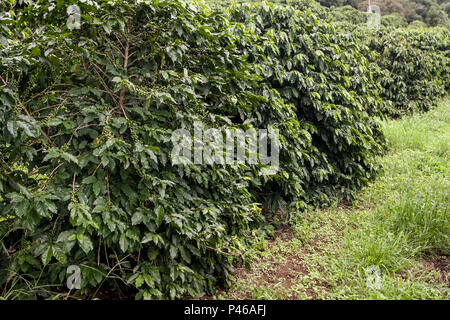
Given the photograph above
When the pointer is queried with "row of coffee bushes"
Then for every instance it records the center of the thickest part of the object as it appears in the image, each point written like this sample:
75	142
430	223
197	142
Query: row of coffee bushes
88	116
331	84
415	61
418	65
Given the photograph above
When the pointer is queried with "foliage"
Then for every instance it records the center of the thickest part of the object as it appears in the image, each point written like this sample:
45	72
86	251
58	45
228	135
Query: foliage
433	12
348	15
393	21
332	87
418	65
87	117
89	114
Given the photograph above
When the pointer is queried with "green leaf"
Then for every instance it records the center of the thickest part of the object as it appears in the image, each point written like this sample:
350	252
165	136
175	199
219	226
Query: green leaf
123	242
139	281
85	243
59	254
89	180
147	238
97	187
47	255
173	251
12	128
69	157
159	211
137	217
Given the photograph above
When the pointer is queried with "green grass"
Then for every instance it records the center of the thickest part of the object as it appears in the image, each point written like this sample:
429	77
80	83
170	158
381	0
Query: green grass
400	224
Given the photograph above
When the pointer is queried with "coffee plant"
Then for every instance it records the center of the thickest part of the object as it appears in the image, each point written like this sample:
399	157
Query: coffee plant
88	113
87	118
330	83
418	68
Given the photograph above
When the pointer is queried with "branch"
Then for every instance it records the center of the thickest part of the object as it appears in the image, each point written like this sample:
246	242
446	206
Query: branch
125	67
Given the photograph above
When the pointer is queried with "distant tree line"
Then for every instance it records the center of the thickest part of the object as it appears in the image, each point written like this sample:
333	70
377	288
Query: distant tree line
431	12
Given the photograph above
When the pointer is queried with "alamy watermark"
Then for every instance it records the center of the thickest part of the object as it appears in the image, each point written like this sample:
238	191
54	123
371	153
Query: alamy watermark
74	278
226	147
74	20
373	280
374	20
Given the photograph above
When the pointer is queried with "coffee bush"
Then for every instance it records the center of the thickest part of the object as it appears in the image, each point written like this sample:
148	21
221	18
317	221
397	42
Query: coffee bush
87	117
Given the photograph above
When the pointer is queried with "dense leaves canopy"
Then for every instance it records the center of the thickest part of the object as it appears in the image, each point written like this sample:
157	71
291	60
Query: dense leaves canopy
87	116
418	66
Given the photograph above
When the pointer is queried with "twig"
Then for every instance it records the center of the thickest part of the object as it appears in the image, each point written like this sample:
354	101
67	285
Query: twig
73	183
125	67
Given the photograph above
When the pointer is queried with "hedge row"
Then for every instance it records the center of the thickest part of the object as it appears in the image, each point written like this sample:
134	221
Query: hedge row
87	117
417	64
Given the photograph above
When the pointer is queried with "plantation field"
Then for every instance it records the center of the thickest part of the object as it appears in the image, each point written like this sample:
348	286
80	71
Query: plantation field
115	181
400	224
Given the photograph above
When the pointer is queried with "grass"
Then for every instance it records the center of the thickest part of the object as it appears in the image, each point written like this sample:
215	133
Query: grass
392	243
